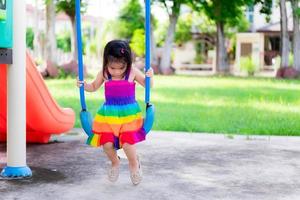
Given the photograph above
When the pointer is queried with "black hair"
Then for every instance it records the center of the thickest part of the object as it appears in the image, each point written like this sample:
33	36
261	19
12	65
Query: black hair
117	51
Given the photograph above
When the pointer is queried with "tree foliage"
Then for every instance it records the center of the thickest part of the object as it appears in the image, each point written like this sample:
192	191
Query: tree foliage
137	43
173	6
63	41
224	11
29	38
68	7
184	26
130	19
266	7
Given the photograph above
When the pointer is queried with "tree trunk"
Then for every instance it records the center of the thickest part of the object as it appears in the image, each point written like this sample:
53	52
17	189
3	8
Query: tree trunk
222	65
154	59
36	42
296	35
73	39
50	33
165	63
284	35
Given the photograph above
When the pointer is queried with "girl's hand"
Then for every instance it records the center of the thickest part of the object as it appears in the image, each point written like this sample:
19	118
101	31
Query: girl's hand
149	73
80	83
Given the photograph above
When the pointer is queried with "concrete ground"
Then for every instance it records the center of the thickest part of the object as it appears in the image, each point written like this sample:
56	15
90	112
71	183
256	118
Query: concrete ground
176	166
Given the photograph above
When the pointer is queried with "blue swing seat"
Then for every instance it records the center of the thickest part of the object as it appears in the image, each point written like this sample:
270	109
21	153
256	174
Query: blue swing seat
86	122
149	119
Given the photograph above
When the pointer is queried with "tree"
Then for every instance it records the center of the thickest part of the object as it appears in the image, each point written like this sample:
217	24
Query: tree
173	9
68	7
184	27
222	12
154	58
130	22
50	33
296	34
36	42
226	12
130	19
266	7
137	43
284	52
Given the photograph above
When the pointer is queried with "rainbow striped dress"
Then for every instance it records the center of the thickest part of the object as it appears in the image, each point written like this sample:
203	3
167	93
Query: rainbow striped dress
119	120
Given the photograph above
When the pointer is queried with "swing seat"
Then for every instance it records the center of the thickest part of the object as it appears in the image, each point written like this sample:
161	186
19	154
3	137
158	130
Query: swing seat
86	122
149	119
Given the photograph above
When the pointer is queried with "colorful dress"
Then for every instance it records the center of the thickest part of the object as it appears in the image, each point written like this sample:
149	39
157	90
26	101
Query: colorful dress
119	120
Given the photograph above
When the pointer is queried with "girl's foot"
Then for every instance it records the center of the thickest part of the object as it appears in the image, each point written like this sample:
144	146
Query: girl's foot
137	176
113	172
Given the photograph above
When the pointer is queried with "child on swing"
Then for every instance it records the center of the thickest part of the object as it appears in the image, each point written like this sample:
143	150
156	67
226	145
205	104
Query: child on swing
118	122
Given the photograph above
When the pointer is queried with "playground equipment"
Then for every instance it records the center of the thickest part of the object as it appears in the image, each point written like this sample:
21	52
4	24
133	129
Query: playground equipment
42	116
149	119
16	114
6	31
85	116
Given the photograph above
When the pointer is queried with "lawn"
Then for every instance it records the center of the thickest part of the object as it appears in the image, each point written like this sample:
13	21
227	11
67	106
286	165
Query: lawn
208	104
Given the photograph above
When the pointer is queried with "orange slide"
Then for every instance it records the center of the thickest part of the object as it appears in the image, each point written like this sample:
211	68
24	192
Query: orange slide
43	115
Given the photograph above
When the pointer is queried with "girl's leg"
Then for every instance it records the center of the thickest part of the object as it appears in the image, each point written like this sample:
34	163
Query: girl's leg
134	163
111	154
113	171
130	152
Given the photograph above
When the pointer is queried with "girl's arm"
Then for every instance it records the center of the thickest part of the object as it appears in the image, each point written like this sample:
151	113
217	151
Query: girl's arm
93	86
140	77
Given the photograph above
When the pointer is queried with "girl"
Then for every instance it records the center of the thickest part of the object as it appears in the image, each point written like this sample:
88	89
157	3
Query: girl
118	122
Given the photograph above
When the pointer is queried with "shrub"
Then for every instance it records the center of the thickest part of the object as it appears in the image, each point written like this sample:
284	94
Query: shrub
63	41
247	64
29	38
199	59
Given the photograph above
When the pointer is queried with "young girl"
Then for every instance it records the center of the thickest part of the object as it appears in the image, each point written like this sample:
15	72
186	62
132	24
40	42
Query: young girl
118	122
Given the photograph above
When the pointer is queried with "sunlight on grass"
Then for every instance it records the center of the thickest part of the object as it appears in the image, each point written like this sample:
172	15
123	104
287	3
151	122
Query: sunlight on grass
208	104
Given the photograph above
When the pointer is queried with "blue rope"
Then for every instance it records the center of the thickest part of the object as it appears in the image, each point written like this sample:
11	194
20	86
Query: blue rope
148	48
148	51
79	47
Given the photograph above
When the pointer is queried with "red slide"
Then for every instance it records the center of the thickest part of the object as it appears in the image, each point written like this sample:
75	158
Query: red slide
43	115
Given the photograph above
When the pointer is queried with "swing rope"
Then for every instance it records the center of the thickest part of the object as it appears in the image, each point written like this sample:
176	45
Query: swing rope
79	52
148	50
85	116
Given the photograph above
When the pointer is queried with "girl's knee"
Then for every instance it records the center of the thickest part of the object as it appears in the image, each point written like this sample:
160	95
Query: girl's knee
127	145
108	145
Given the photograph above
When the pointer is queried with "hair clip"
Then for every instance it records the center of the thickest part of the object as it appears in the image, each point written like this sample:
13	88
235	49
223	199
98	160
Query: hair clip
122	50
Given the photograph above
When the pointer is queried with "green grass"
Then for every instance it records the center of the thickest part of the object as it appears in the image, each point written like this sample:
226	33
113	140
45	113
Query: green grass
209	104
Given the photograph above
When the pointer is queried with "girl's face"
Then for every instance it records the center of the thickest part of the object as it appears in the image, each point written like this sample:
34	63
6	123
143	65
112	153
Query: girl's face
117	69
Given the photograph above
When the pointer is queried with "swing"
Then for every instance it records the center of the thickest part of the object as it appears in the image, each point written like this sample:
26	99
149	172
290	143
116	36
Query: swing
85	116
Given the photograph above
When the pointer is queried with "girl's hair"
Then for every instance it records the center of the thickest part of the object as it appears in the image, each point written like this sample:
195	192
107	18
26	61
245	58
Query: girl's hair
117	51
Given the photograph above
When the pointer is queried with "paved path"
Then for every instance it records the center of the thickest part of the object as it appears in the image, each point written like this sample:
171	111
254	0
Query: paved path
176	166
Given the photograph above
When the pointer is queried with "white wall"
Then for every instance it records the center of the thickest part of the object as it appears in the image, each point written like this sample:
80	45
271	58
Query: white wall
260	20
